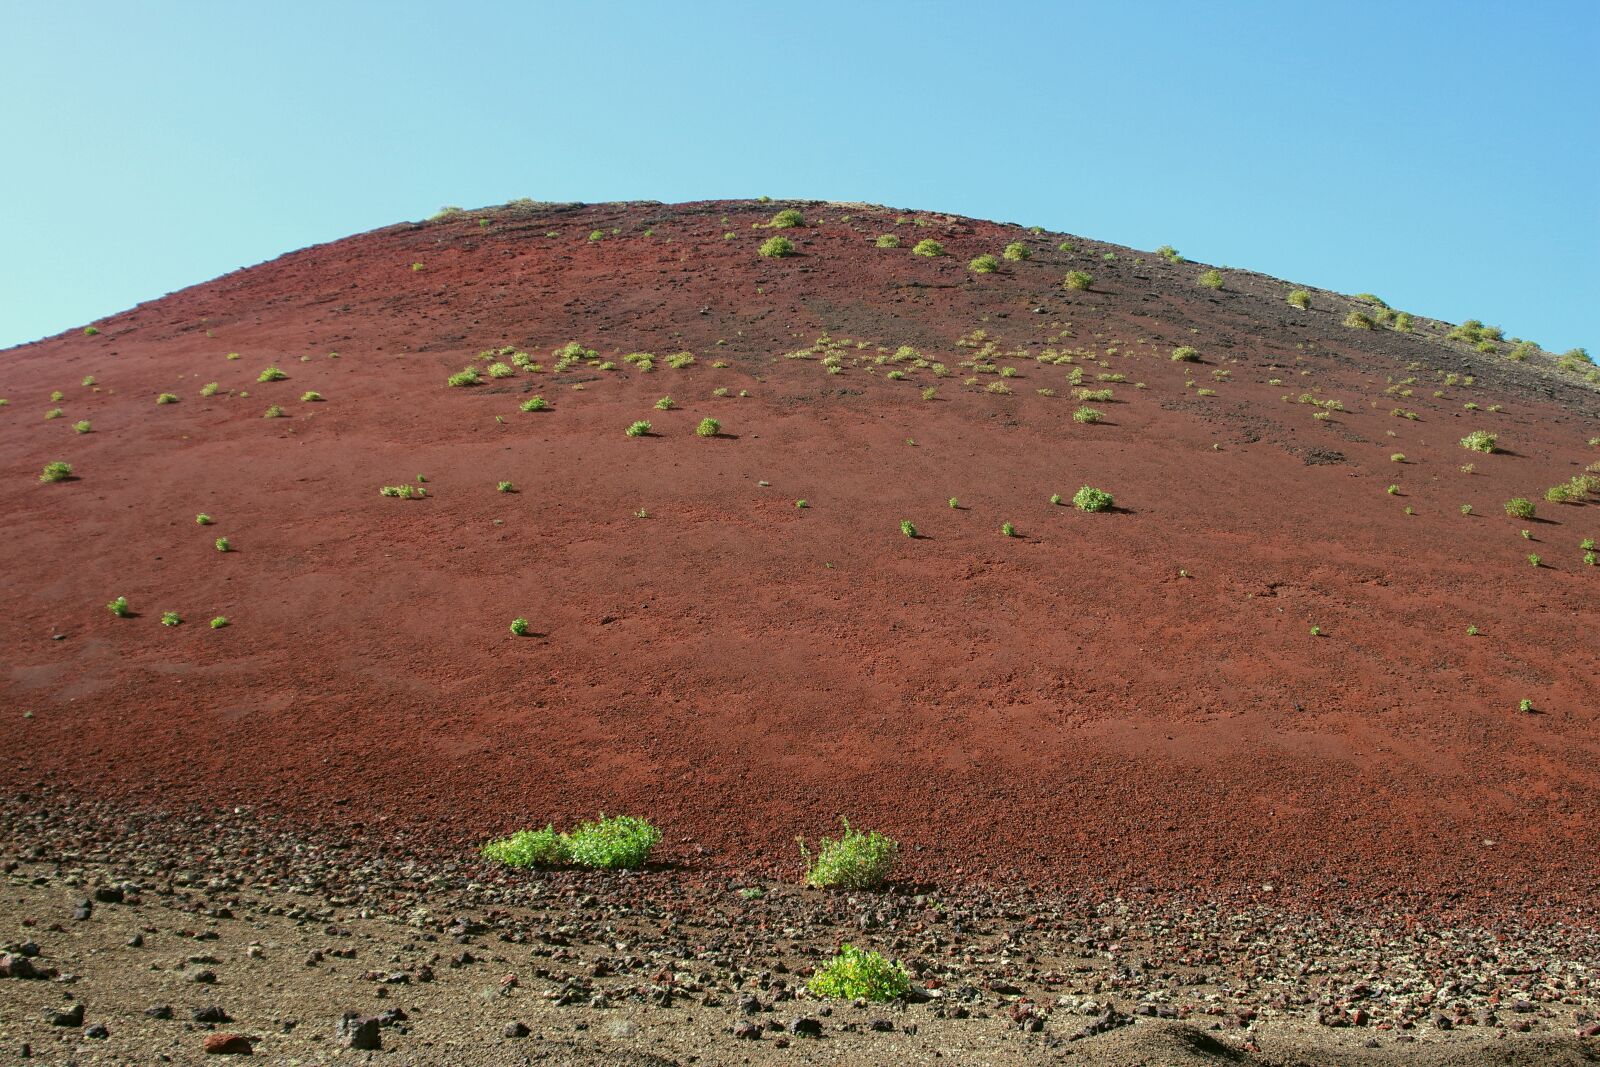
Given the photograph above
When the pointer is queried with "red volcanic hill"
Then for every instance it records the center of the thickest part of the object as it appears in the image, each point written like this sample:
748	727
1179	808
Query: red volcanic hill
1287	655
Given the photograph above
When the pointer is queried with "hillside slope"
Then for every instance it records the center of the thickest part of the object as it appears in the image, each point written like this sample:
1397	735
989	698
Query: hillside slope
1133	696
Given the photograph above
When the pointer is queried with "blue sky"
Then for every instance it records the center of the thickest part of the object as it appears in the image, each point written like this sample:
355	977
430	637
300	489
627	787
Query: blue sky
1443	155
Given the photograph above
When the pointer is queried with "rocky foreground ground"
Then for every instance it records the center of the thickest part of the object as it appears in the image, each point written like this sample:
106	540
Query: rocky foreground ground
135	938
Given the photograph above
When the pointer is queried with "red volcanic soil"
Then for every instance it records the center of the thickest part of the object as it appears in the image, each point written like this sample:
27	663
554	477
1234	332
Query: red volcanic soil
1063	706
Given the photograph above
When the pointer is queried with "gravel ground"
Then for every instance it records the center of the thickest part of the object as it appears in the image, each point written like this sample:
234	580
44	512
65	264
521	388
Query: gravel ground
193	929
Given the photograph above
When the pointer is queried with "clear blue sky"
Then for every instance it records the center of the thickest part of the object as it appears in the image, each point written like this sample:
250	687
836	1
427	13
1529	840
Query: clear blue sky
1443	155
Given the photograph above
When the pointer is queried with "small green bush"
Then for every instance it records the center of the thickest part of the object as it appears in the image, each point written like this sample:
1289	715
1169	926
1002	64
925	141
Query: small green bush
519	626
887	240
167	398
56	472
786	219
535	403
529	848
1210	279
82	427
907	528
90	331
1087	415
273	412
310	397
224	545
664	404
776	247
1479	441
638	429
1017	252
1520	508
1170	254
271	374
928	247
469	376
1091	499
1008	530
505	487
984	265
1078	280
219	622
1300	298
499	370
855	974
1185	354
854	860
171	618
708	427
404	492
119	607
1357	320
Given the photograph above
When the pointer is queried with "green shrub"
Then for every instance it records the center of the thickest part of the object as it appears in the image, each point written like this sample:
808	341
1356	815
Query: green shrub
1520	508
119	607
1397	457
1170	254
499	370
1017	252
90	331
404	492
776	247
1078	280
469	376
209	389
505	487
1087	415
1534	559
954	503
167	398
224	545
854	974
984	265
708	427
529	848
1357	320
928	247
1300	298
273	412
1091	499
202	519
854	860
219	622
56	472
622	841
786	219
1064	246
638	429
1210	279
519	626
1185	354
888	240
907	528
56	413
1479	441
82	427
535	403
310	397
171	618
664	404
271	374
1008	530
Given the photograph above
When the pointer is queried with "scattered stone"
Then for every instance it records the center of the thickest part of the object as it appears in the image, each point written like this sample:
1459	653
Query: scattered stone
96	1031
160	1011
211	1014
747	1030
72	1016
228	1045
357	1032
16	965
515	1029
806	1027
